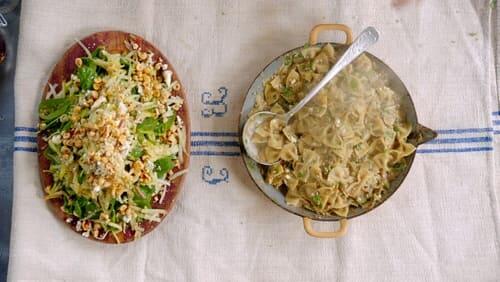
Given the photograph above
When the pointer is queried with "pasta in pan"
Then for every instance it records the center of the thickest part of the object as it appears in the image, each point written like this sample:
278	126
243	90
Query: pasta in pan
343	148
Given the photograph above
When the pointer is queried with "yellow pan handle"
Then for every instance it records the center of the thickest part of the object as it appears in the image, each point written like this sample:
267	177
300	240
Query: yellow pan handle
319	234
313	35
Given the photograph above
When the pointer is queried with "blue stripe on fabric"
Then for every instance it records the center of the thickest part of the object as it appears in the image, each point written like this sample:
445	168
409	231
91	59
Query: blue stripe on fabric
464	130
235	134
214	133
215	143
496	122
460	140
193	133
496	132
23	128
212	153
496	113
236	154
25	139
456	150
24	149
194	153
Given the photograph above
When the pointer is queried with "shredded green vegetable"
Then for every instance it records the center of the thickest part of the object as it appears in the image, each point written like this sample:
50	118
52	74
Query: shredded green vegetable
114	138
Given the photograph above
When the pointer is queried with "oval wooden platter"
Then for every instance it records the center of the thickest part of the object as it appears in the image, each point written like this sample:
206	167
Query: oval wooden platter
114	42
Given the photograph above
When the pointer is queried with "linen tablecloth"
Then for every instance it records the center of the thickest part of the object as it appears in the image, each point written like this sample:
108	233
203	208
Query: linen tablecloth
442	225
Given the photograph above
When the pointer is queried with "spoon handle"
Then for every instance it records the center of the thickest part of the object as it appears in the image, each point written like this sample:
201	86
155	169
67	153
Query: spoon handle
3	21
367	38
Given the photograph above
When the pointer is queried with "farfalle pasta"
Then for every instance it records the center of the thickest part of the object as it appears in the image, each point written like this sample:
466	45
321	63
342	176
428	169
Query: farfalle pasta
343	148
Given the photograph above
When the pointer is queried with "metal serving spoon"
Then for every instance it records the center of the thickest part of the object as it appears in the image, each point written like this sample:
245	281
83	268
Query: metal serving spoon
366	38
3	21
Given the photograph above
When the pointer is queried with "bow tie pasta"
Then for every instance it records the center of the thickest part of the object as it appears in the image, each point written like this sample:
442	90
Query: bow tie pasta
344	147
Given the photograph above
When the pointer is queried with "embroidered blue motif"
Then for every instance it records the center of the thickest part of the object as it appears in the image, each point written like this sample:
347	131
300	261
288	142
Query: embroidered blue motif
206	175
215	104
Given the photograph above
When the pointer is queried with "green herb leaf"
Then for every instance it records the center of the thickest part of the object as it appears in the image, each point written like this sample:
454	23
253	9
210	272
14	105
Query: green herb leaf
288	60
86	74
308	66
79	206
399	167
144	202
51	109
113	207
69	191
136	153
287	92
163	127
84	208
316	199
97	54
66	126
170	121
152	127
67	205
148	126
81	177
85	112
77	210
135	90
51	155
125	64
163	165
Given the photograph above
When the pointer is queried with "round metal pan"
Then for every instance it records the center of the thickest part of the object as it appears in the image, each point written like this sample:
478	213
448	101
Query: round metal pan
419	135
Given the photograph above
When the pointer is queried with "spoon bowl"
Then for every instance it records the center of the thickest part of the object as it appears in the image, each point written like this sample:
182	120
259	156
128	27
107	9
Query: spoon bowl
367	38
251	125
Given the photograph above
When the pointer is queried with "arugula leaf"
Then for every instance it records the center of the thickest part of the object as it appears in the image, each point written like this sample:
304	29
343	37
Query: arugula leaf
84	113
91	210
288	60
66	126
144	202
113	207
163	165
84	208
51	155
170	121
136	153
97	53
81	177
125	64
51	109
87	74
148	126
69	191
77	209
135	90
67	207
163	127
153	127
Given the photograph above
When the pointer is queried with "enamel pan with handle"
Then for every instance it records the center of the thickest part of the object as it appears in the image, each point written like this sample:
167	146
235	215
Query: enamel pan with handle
419	135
